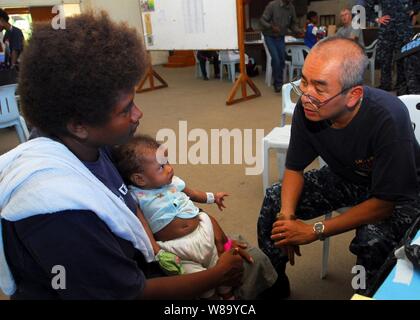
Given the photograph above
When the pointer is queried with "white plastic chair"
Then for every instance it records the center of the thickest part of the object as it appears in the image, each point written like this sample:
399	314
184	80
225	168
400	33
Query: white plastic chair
269	68
277	139
287	105
9	112
412	102
229	60
371	53
298	59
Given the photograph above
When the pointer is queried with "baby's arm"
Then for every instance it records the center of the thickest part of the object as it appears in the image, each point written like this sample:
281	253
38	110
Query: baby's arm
201	197
155	246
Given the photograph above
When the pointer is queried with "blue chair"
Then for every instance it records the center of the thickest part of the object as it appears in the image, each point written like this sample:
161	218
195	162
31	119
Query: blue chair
9	112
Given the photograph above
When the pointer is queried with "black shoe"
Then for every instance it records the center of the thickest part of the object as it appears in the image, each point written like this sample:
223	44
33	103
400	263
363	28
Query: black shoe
279	290
277	89
205	78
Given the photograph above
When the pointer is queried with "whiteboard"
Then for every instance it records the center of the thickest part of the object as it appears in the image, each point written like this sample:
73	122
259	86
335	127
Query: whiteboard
189	24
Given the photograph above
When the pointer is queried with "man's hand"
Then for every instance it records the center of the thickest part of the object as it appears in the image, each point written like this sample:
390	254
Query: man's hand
275	29
300	35
292	232
219	197
383	20
289	250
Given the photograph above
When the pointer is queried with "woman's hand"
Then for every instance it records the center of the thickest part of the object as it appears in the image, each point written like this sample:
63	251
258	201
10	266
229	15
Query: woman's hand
230	264
242	246
219	197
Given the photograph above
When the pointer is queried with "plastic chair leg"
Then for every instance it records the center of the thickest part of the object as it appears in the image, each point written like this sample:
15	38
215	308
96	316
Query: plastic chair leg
281	163
372	73
325	252
232	72
20	133
268	73
265	155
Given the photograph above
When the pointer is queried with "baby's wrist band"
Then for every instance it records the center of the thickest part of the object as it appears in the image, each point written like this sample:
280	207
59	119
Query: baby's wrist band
210	197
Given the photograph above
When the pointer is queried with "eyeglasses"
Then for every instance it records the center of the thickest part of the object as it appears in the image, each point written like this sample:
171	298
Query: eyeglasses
314	101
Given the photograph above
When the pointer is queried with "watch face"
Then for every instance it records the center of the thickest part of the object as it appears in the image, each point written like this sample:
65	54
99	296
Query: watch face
319	227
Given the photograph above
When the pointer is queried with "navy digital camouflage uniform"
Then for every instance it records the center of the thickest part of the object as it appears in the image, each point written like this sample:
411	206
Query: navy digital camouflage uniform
324	192
391	38
412	73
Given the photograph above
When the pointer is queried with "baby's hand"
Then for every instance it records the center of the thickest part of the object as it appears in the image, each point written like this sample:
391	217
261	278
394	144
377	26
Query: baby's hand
219	197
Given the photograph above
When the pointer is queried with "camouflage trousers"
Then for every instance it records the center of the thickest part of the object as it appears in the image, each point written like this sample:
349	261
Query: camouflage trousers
412	73
390	43
324	192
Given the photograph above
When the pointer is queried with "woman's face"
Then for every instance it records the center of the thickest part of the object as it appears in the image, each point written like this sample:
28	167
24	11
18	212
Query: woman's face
122	124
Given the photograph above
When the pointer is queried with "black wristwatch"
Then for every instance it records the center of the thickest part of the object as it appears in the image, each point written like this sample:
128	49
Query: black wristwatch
319	228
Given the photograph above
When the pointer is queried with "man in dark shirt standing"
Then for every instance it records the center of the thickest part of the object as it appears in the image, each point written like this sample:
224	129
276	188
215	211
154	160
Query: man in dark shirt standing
278	17
366	138
13	38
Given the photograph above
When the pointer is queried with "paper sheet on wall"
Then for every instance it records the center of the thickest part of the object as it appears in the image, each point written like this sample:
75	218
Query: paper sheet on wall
193	16
149	29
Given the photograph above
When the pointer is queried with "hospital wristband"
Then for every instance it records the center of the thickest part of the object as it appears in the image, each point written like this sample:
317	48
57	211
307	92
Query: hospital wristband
210	197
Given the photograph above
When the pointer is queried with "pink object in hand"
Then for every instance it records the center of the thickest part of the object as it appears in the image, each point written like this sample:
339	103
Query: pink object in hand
228	245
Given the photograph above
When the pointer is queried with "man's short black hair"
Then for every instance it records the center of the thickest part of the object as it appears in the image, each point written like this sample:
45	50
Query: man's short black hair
311	14
78	73
4	16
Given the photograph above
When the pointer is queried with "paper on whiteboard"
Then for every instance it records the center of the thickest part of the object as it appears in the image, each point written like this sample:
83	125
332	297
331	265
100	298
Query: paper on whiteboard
193	16
147	5
147	18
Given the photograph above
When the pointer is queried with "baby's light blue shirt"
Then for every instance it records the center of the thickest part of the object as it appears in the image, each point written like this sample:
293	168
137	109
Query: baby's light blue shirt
161	206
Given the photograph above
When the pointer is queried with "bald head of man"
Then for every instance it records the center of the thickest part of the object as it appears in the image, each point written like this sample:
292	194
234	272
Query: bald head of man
332	79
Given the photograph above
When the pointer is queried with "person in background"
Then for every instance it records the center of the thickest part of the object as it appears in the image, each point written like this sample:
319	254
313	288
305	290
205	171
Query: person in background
13	39
412	64
347	30
395	30
312	34
213	57
279	16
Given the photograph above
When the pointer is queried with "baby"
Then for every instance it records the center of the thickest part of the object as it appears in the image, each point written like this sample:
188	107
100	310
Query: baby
177	224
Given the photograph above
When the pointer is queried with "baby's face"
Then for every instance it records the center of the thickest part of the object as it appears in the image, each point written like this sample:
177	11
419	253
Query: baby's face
157	174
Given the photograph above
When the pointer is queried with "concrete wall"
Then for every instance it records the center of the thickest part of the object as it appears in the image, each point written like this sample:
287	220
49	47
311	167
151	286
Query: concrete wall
130	13
33	3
